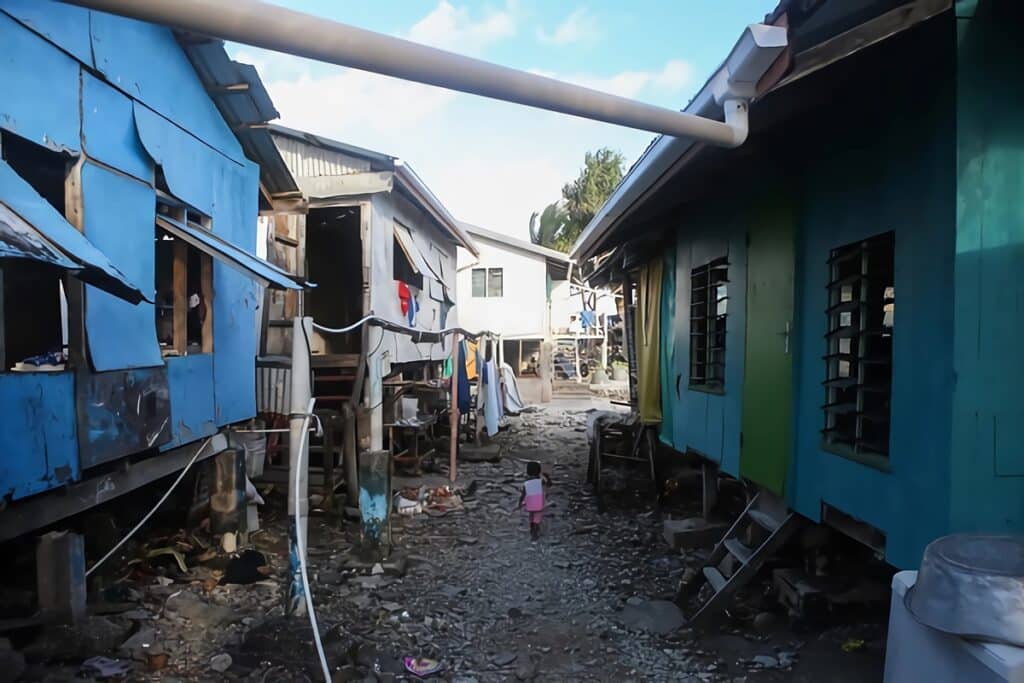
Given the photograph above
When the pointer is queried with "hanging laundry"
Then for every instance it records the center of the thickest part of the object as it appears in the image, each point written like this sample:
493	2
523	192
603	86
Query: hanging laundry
404	296
588	318
492	404
463	379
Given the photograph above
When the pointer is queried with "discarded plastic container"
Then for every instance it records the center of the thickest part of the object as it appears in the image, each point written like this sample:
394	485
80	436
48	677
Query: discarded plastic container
915	652
410	406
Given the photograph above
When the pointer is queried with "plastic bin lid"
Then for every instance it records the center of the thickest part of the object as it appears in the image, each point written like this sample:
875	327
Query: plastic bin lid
1005	660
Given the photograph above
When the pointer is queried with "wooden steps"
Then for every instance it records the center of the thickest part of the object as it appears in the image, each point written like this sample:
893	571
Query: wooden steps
766	520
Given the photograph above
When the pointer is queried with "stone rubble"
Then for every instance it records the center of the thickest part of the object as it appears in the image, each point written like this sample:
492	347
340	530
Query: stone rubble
589	601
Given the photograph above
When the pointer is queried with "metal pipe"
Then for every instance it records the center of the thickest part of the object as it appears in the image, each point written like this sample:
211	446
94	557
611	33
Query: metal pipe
283	30
298	477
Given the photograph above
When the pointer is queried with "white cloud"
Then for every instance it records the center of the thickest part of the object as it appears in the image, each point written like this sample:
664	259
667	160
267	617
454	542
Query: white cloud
674	76
578	27
453	28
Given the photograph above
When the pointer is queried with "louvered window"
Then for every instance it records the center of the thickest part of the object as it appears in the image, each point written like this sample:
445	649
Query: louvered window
861	309
709	303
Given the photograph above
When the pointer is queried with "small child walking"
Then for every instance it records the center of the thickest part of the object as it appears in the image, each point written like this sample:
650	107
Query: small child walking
532	494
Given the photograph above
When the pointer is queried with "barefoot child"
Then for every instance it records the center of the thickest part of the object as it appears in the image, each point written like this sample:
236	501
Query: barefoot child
532	494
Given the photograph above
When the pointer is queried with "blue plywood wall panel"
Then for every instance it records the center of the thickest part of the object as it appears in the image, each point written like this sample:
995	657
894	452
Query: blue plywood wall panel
108	130
120	335
40	88
121	412
710	422
64	25
891	170
988	433
235	297
179	154
38	449
146	62
192	407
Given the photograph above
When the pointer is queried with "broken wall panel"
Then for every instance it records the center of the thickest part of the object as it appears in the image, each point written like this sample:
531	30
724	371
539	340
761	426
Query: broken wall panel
126	53
236	298
180	154
40	89
120	335
42	452
108	130
64	25
384	300
121	413
192	405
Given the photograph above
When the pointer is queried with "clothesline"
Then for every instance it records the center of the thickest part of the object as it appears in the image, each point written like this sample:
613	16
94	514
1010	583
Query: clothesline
432	336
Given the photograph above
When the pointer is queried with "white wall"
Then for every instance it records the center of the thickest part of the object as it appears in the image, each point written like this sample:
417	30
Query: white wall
522	311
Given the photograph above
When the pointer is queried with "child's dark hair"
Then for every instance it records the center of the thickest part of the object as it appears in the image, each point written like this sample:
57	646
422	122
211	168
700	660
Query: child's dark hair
533	468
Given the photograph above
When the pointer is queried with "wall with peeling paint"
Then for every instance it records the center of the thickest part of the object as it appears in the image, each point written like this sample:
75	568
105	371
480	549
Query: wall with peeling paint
122	97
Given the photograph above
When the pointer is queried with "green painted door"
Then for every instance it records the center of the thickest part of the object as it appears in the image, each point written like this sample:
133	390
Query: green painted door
768	379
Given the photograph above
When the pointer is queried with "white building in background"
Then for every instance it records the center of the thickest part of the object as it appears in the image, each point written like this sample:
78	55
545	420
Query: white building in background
524	293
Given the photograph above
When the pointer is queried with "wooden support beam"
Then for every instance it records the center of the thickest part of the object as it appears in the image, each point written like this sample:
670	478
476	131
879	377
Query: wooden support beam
206	283
180	285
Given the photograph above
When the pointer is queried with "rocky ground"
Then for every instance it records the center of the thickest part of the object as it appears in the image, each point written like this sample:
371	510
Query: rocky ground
587	602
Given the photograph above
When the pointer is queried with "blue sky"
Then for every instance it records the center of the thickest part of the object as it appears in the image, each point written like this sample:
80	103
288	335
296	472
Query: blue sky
494	163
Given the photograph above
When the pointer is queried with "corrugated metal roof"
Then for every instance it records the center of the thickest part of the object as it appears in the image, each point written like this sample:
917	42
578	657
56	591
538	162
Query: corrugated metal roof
332	153
305	160
244	103
523	245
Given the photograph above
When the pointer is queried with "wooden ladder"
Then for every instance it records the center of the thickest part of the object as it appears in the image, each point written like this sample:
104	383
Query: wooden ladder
770	524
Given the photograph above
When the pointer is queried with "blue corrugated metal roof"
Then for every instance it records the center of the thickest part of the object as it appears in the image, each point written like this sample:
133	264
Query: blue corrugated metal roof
244	103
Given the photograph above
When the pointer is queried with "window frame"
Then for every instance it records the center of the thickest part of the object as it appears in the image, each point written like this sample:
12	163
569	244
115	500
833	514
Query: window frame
709	325
860	328
179	346
488	274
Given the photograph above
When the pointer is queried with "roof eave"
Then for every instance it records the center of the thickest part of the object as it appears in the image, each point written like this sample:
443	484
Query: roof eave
659	157
412	184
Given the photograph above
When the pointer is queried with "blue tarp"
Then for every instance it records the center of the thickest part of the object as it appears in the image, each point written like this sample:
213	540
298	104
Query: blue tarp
96	268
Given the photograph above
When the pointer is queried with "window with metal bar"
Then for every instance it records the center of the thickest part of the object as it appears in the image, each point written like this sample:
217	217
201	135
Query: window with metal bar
709	301
860	315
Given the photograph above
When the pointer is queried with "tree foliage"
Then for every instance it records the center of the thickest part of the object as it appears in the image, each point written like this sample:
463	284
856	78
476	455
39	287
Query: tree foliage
561	223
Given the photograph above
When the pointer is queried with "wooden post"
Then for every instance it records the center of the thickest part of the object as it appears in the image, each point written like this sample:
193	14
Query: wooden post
180	280
350	450
454	446
206	284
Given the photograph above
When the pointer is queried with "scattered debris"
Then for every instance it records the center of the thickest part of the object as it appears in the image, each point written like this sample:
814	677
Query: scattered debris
221	663
422	666
103	668
853	645
652	616
248	567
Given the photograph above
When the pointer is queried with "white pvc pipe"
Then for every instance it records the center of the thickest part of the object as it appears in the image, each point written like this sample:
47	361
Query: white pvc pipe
298	476
283	30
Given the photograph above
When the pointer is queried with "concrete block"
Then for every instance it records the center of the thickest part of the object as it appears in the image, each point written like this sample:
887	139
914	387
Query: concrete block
695	532
60	576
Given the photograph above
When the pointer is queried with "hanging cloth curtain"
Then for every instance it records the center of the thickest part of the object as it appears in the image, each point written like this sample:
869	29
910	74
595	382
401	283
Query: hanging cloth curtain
668	350
648	342
465	400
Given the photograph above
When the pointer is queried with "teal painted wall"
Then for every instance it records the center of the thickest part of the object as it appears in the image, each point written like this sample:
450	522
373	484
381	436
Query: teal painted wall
888	164
709	422
988	433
